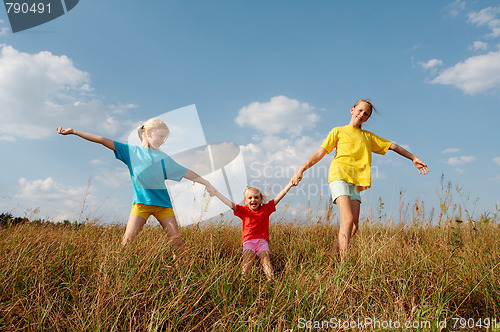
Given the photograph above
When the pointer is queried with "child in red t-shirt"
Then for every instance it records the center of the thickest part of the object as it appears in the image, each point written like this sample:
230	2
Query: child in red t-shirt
255	231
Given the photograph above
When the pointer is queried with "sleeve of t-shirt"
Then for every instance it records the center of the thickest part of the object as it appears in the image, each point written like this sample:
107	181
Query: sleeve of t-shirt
239	211
174	170
379	145
122	152
330	141
270	206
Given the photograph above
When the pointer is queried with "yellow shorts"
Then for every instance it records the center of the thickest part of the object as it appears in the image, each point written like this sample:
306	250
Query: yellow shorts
144	211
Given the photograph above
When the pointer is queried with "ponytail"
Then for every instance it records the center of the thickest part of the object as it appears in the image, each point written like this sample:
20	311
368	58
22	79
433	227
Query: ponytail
152	124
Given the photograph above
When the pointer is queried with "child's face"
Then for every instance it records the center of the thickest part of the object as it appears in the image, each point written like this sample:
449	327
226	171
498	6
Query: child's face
361	112
157	137
253	199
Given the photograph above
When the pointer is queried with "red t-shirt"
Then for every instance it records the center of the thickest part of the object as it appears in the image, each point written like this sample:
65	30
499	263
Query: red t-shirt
255	223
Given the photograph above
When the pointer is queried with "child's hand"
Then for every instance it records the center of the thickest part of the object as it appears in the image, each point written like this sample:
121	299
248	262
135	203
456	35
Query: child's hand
421	166
68	131
296	178
211	190
290	184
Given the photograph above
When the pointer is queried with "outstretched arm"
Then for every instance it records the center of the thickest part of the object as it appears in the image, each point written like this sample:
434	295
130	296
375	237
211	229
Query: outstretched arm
316	156
282	194
110	144
225	200
419	164
190	175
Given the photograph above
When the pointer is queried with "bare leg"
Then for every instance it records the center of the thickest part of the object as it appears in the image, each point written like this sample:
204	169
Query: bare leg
134	226
265	260
336	248
349	220
169	224
248	257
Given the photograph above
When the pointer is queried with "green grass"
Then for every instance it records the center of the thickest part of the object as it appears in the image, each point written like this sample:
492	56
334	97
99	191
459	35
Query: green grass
67	278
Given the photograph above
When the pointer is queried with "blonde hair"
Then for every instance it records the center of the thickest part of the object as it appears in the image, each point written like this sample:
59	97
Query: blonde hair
152	124
247	188
372	107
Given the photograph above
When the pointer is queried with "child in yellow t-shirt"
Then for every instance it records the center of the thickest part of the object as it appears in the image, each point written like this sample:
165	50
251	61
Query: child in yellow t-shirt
350	169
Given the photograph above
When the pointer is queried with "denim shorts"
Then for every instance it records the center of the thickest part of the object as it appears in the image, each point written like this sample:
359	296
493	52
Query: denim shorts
344	188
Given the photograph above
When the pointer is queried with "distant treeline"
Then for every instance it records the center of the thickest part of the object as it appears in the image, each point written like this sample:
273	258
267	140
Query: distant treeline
8	219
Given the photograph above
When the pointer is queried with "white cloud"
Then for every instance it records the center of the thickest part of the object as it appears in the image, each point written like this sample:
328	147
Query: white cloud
497	160
39	92
487	16
476	74
455	8
47	189
479	46
272	161
462	160
280	152
57	200
280	114
450	150
431	64
7	138
479	73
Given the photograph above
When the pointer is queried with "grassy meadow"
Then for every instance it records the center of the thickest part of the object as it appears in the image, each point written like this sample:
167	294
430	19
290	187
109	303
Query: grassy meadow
57	277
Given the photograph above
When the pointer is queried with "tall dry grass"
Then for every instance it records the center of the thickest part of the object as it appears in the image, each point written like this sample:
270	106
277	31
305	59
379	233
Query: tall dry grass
67	278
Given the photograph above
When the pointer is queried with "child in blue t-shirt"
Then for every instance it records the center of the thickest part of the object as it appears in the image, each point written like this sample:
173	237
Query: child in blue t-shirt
149	168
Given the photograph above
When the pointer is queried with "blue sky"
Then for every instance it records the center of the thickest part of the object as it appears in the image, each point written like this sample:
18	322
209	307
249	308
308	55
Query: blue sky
270	76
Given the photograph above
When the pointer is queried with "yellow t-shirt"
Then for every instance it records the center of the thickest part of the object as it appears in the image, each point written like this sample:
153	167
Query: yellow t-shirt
353	157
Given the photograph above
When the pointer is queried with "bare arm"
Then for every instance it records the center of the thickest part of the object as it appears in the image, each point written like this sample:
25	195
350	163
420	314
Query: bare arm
190	175
419	164
316	156
110	144
225	200
282	194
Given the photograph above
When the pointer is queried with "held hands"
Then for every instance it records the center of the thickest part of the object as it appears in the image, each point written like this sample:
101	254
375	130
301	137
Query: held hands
421	166
68	131
212	191
296	178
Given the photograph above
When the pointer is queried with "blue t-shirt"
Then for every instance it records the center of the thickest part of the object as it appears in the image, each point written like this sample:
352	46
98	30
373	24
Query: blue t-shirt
148	171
